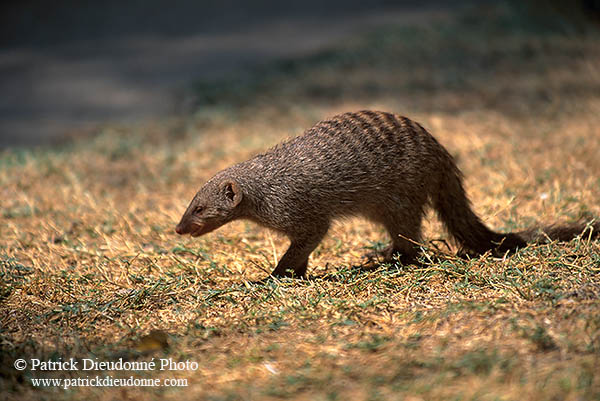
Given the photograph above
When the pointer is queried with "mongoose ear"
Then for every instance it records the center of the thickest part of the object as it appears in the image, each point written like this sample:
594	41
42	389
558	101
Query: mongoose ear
232	191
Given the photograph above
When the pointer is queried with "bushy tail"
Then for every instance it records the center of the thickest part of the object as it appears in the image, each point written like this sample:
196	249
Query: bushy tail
561	232
464	225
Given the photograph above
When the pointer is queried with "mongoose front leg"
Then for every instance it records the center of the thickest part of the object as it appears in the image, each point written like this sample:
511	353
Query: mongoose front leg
295	260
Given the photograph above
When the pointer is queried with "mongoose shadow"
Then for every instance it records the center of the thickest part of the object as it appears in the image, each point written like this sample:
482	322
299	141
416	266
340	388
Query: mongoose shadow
378	165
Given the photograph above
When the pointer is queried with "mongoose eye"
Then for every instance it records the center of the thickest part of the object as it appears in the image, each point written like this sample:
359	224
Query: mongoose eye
198	209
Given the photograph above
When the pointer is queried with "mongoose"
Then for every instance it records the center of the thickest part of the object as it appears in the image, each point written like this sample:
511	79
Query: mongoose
379	165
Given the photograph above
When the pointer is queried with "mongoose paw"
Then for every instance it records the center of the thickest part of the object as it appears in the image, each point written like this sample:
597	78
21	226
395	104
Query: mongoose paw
287	273
389	255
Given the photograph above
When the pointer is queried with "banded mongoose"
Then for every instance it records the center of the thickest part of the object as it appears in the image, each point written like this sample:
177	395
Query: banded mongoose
379	165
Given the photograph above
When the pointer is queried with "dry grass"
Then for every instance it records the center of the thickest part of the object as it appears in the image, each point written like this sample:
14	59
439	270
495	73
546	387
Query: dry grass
90	263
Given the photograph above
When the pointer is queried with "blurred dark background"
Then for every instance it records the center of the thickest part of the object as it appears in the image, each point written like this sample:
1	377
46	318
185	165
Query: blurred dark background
68	66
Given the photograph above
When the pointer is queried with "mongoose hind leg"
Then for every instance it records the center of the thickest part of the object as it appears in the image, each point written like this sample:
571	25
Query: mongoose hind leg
405	234
405	256
403	253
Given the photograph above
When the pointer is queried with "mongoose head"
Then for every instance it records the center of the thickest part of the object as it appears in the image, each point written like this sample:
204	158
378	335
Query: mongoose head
216	203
